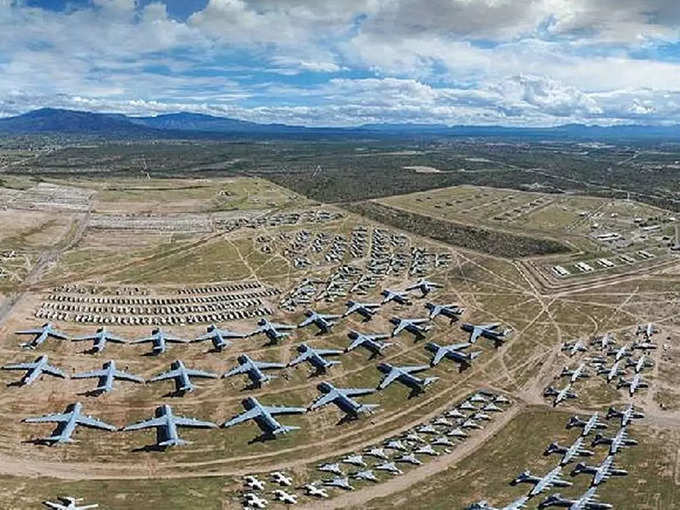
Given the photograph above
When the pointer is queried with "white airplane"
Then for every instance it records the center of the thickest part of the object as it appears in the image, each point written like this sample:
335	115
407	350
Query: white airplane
378	453
641	363
633	384
252	482
457	432
395	444
424	286
442	441
285	497
576	373
390	467
409	458
365	475
342	483
331	468
426	450
648	330
354	460
588	501
427	428
68	503
612	371
366	310
35	369
542	483
281	479
627	415
592	423
620	353
313	490
560	395
620	440
252	500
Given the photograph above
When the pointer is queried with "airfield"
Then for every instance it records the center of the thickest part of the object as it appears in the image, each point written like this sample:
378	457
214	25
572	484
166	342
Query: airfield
132	255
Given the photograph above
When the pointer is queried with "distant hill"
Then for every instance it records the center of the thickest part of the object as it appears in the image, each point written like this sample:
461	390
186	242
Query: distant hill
52	120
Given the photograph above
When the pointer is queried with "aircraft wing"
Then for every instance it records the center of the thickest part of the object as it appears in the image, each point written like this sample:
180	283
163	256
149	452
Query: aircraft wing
58	334
50	418
83	338
302	357
282	326
412	369
239	369
87	375
248	415
201	373
193	422
147	424
326	352
266	364
356	343
116	339
324	400
207	336
439	355
19	366
357	391
399	328
170	374
128	377
306	322
175	340
284	410
143	340
475	334
29	332
389	379
89	421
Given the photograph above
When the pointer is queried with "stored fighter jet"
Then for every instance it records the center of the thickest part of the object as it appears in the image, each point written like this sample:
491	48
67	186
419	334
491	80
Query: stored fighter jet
518	504
452	352
254	501
426	450
313	490
588	501
411	325
600	473
342	483
166	423
560	395
620	440
396	296
592	423
253	482
285	497
281	479
315	357
647	330
489	331
627	415
408	458
67	423
254	369
219	337
106	377
378	453
452	311
35	369
264	417
68	503
633	384
41	334
424	286
572	348
541	483
641	363
100	339
371	342
568	452
442	441
272	330
331	468
366	475
604	342
390	467
159	339
181	375
405	376
342	397
354	460
575	374
366	310
612	371
322	321
395	444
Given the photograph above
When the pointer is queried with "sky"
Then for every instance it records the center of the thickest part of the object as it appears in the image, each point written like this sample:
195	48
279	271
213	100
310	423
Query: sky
348	62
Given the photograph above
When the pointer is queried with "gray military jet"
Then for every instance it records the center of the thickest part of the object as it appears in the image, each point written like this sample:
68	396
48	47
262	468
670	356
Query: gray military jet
341	483
633	384
518	504
647	330
182	376
612	371
588	501
106	377
390	467
396	296
273	331
378	453
67	423
264	417
312	490
219	337
622	352
452	352
316	357
100	339
576	373
373	343
572	348
34	370
627	415
601	472
413	326
569	453
640	364
604	342
592	423
331	467
159	339
404	375
41	334
366	474
342	397
620	440
489	331
560	395
68	503
166	423
452	311
366	310
254	370
323	321
424	286
542	483
645	346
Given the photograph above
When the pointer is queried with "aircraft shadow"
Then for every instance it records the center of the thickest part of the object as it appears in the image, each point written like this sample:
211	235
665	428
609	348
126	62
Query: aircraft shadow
262	438
150	448
14	384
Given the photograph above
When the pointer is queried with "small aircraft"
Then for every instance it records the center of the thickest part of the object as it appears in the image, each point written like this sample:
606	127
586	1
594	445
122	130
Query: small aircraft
396	444
342	483
331	468
560	395
166	423
408	458
68	503
378	453
281	479
588	501
35	369
457	432
601	472
272	330
254	369
542	483
489	331
390	467
633	384
285	497
442	441
452	352
159	339
313	490
373	343
107	375
572	348
324	322
354	460
396	296
627	415
367	475
264	417
569	453
100	339
424	286
592	423
620	440
576	373
253	500
316	357
452	311
253	482
218	337
182	376
342	397
404	375
41	334
413	326
426	450
366	310
67	423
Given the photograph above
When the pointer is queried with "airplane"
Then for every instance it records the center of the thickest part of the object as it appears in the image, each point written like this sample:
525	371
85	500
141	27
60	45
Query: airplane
395	444
272	330
366	310
264	417
573	347
396	296
404	375
413	326
106	376
452	351
254	369
322	321
159	339
645	346
568	452
426	450
67	423
427	429
485	330
331	468
620	440
413	437
470	424
647	330
424	286
633	384
182	376
41	334
518	504
313	490
166	423
452	311
253	500
409	458
442	421
604	342
588	501
218	337
285	497
342	397
378	453
541	483
366	475
478	397
455	413
342	483
575	374
560	395
35	369
315	357
354	460
281	479
600	473
500	399
611	372
620	353
491	407
68	503
100	339
467	406
641	363
627	415
441	441
371	342
390	467
457	432
253	482
593	423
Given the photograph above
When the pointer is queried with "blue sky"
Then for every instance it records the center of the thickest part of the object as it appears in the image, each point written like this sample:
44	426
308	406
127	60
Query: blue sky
348	62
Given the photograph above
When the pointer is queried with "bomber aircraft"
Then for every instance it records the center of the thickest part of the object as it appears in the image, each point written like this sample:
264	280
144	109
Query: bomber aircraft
620	440
254	369
366	310
620	353
560	395
264	417
315	357
342	397
592	423
424	286
542	483
633	384
159	339
489	331
218	337
604	341
396	296
452	311
569	452
452	352
572	348
100	339
35	369
627	415
588	501
41	334
106	377
413	326
373	343
647	330
182	376
601	472
641	363
576	373
67	423
518	504
323	321
272	330
166	423
404	375
68	503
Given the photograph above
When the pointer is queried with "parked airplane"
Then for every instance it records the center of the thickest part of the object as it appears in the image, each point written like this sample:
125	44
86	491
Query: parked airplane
366	310
612	371
264	417
408	458
424	286
285	497
442	441
620	440
342	483
272	330
560	395
592	423
572	348
413	326
254	501
542	483
219	337
254	369
645	346
322	321
378	453
633	384
627	415
452	311
373	343
641	363
317	492
390	467
426	450
331	468
452	352
315	357
281	479
396	444
41	334
404	375
100	339
67	423
354	460
518	504
159	339
489	331
620	353
182	376
367	475
647	330
396	296
106	377
575	374
601	472
569	452
166	423
604	342
68	503
588	501
342	397
35	369
253	482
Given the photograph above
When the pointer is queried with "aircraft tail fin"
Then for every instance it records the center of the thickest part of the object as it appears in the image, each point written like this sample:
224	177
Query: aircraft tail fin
474	355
